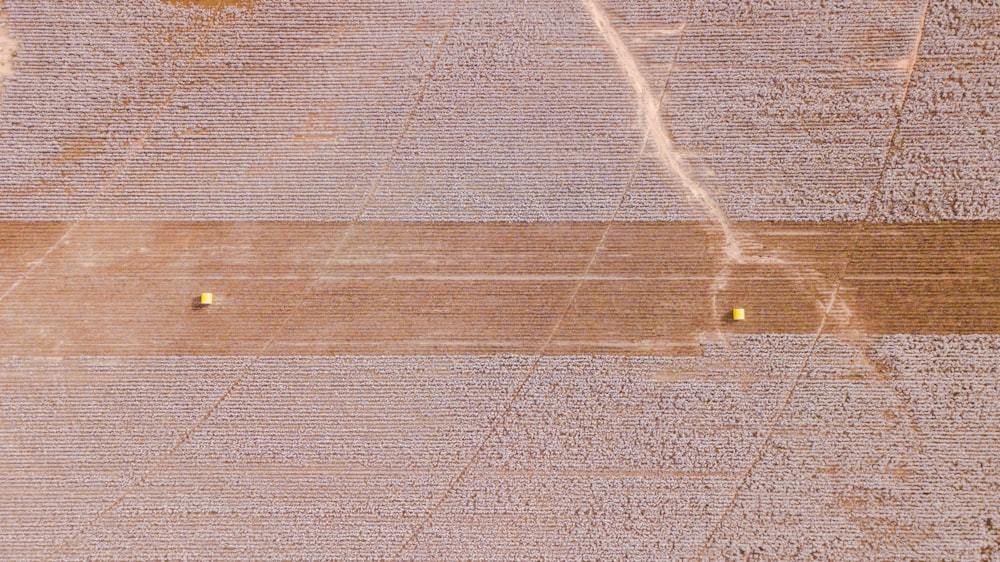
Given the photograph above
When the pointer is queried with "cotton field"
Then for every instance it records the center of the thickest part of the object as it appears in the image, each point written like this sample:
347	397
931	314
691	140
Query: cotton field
479	111
474	269
599	457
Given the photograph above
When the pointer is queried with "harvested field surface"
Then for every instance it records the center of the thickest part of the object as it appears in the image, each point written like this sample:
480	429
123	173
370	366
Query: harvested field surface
474	265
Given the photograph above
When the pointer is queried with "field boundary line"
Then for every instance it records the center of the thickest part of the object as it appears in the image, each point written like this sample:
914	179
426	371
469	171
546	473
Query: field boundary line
858	233
244	370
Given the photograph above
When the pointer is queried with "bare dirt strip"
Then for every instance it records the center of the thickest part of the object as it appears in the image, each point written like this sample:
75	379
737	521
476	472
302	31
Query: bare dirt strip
128	288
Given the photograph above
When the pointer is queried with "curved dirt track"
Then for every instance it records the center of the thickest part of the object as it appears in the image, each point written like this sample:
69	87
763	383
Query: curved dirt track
652	118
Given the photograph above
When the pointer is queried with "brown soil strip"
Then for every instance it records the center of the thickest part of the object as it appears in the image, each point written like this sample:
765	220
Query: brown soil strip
128	288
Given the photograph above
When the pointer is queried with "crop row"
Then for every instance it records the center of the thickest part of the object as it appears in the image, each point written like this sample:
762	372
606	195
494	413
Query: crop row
345	456
509	111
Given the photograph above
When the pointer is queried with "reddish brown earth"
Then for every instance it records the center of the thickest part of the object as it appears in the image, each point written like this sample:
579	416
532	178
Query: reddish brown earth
306	288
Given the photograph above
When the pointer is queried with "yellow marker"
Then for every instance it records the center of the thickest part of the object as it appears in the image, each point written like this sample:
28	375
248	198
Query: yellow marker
739	314
206	298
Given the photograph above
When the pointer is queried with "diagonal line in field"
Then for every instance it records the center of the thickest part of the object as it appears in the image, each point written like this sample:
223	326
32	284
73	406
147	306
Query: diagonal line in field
245	370
34	265
891	145
773	425
421	91
494	424
859	232
134	147
649	109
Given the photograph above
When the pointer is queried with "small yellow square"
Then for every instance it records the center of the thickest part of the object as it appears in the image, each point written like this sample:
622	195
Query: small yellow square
206	298
739	314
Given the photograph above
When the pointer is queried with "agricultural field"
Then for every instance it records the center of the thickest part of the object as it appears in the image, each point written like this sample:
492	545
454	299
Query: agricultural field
474	266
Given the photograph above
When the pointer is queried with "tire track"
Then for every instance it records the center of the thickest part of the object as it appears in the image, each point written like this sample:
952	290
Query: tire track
649	110
858	233
494	424
134	147
421	91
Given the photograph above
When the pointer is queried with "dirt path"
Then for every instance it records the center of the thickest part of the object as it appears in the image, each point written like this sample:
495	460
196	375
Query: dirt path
649	110
649	106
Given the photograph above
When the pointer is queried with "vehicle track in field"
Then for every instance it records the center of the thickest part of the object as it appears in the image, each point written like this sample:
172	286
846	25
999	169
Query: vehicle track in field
494	424
134	148
852	251
657	130
649	111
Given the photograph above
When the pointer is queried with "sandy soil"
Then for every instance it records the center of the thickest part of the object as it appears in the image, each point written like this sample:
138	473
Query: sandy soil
8	48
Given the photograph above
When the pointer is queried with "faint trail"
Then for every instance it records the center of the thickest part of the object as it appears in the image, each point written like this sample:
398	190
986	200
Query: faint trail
134	147
915	53
649	109
858	233
899	117
34	265
772	426
245	370
657	130
375	183
494	424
